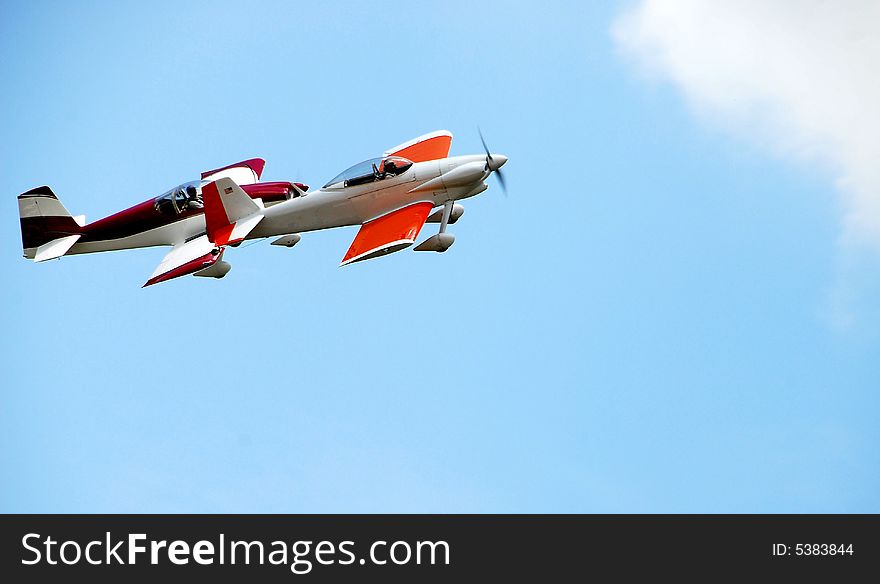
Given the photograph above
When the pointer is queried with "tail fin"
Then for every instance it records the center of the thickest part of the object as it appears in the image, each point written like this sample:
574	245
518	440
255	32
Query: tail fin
44	220
230	214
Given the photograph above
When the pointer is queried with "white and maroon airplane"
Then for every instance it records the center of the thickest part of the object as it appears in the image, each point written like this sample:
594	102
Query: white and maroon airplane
390	197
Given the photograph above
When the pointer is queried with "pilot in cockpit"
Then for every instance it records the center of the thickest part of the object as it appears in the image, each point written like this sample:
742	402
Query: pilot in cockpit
193	200
388	167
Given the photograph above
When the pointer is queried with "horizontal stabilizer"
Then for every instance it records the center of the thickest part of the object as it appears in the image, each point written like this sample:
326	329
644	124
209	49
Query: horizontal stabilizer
234	232
55	248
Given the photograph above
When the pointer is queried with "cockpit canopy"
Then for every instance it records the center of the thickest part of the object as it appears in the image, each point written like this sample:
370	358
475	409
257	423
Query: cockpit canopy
186	197
371	170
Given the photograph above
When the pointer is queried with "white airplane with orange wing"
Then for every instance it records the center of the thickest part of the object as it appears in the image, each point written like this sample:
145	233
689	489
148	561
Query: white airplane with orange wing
391	197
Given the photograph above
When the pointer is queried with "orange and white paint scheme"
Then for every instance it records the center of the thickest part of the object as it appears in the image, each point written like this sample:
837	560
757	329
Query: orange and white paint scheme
391	197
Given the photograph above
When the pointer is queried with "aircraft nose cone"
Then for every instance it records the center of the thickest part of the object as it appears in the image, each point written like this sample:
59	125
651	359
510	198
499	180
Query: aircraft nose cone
498	160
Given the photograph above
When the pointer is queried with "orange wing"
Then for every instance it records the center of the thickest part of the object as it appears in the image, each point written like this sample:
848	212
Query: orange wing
388	233
428	147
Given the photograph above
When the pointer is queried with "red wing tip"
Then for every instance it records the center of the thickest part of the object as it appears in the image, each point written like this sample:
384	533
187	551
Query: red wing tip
156	280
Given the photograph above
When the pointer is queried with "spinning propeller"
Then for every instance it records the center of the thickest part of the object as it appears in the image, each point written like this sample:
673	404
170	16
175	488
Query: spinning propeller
494	164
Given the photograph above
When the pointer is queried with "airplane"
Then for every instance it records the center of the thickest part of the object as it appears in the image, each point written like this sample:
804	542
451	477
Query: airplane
391	197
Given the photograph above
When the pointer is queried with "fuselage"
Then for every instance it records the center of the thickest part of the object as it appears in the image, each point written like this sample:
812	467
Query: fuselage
286	211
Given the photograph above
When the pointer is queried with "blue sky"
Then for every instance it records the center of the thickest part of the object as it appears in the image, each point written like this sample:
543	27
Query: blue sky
646	323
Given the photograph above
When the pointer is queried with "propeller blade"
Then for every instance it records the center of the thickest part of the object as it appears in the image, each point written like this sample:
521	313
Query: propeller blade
490	160
501	181
485	147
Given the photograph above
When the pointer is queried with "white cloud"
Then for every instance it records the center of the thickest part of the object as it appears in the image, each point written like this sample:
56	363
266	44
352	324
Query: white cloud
802	76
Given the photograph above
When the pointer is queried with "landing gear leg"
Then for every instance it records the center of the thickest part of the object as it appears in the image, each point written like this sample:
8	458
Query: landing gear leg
447	211
442	241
